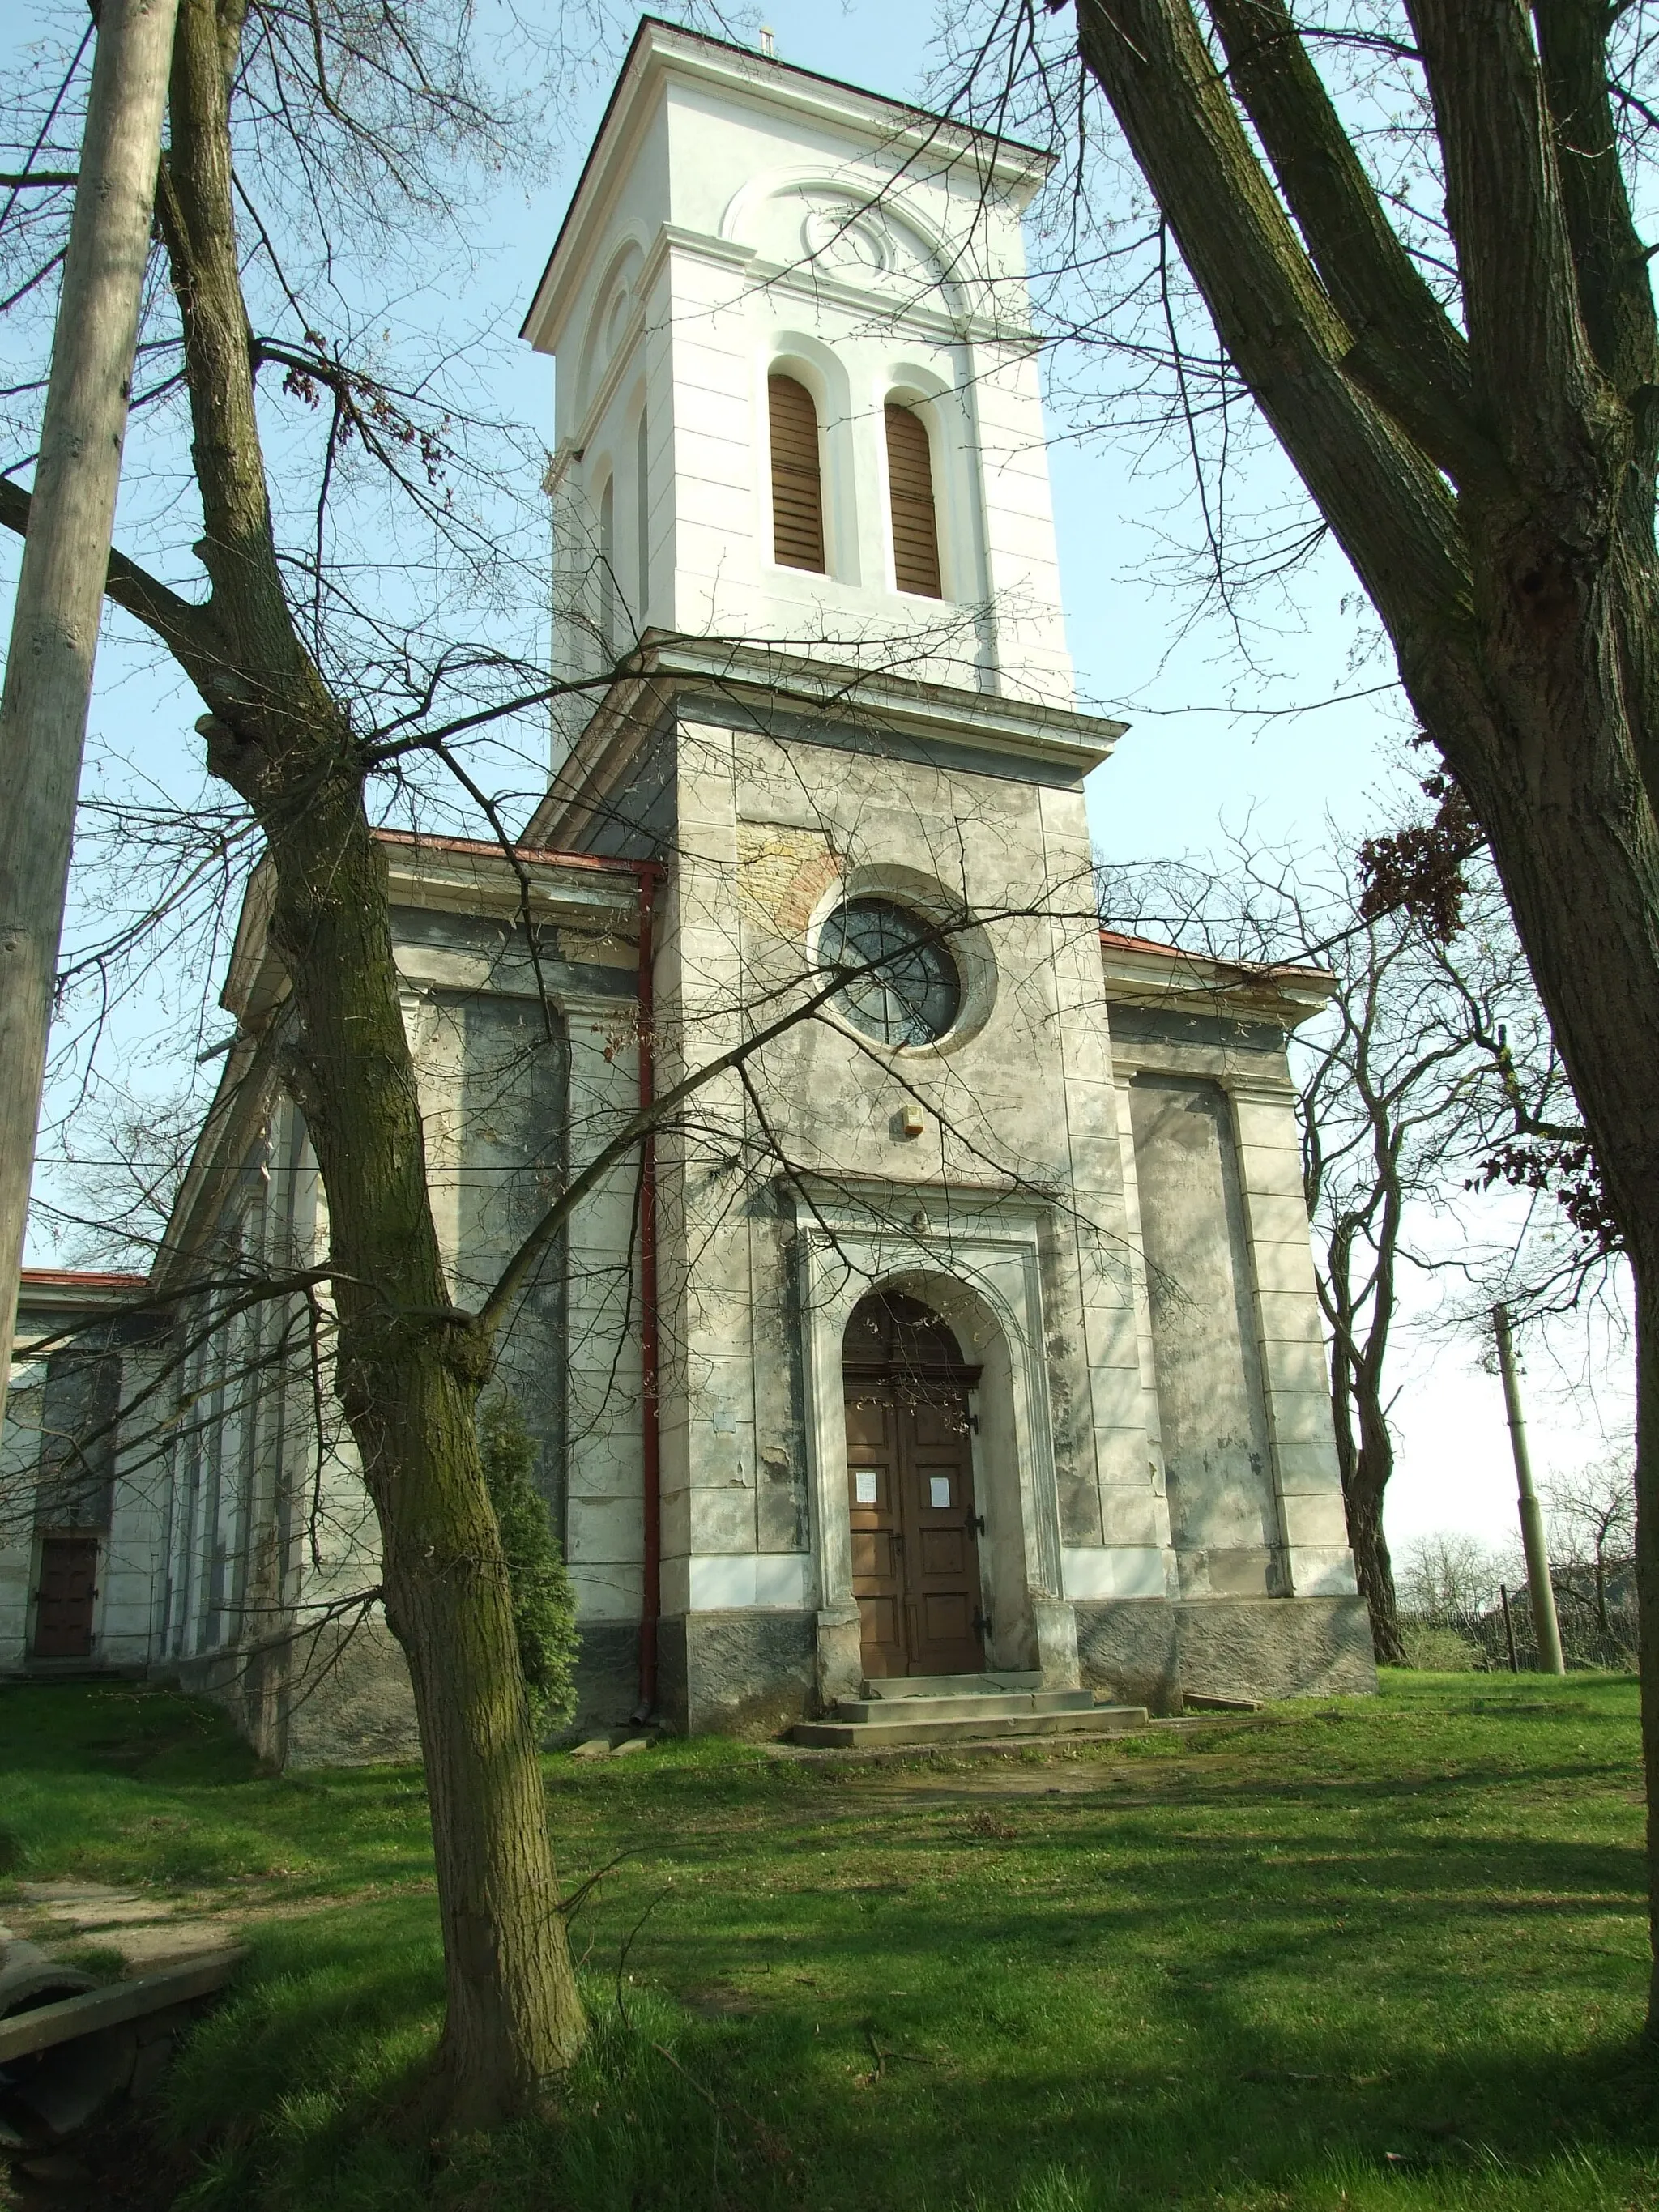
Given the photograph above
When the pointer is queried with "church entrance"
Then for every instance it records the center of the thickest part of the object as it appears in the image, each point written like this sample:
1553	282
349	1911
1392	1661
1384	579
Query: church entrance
910	1491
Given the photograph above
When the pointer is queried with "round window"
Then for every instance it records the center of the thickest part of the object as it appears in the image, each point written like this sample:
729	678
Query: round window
911	992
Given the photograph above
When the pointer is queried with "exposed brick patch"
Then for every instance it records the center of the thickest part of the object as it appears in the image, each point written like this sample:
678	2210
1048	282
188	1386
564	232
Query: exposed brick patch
783	873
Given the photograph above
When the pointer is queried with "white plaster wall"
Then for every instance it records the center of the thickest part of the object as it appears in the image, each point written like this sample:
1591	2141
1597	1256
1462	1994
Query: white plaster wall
605	1539
129	1554
1273	1261
1295	1378
130	1568
730	231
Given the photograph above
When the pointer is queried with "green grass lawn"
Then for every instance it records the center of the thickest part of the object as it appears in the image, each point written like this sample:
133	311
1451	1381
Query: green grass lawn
1384	1952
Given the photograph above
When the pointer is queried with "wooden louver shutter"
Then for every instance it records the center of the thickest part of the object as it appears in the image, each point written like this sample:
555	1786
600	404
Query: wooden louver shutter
797	484
911	487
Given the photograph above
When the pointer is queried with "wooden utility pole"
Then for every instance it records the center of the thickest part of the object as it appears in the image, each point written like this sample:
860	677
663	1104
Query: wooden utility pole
60	591
1545	1628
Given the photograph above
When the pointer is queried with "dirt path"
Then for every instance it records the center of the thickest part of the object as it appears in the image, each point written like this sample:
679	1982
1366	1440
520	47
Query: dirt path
150	1930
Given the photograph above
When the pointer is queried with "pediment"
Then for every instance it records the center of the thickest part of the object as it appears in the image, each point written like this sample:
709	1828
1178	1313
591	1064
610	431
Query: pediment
855	233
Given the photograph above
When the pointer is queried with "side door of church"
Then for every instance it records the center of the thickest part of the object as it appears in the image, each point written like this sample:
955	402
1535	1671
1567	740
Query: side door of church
65	1597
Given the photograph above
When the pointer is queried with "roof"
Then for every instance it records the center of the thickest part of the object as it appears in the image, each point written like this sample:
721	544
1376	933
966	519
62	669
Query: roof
651	26
79	1279
539	856
1274	967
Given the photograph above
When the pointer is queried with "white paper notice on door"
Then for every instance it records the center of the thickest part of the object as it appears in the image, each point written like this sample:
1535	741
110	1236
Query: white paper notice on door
939	1486
865	1479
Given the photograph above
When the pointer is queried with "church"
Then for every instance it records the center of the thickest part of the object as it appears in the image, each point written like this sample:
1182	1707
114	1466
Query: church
956	1335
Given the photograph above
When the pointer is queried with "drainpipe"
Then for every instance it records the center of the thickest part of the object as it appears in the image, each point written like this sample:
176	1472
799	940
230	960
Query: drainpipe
650	1422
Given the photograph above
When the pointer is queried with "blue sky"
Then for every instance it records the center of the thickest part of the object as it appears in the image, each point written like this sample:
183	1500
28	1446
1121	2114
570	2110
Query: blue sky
1207	745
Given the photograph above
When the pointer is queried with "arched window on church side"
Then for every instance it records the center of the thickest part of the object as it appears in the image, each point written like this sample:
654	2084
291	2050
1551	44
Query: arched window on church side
608	570
910	488
642	518
797	479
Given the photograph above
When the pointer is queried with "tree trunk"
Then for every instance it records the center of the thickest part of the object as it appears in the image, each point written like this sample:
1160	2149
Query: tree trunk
409	1372
1363	1494
1365	1463
410	1366
1364	1449
1501	519
60	590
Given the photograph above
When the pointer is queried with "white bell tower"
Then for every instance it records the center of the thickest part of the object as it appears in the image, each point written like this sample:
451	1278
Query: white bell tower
758	261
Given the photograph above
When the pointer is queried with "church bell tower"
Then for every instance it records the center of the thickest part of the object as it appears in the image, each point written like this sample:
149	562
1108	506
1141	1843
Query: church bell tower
797	395
917	1397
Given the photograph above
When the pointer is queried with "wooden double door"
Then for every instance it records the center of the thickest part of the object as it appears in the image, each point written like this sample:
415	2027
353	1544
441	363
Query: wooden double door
915	1529
65	1597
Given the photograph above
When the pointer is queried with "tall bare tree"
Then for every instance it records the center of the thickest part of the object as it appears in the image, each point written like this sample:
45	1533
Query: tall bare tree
352	109
1593	1531
1461	376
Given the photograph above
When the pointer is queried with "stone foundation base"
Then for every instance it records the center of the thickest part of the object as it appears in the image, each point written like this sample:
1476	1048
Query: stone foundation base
1126	1648
342	1697
1295	1647
336	1697
750	1673
607	1679
1146	1651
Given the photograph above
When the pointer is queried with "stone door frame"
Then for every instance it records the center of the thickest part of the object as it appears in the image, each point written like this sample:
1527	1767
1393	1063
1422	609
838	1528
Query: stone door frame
981	1255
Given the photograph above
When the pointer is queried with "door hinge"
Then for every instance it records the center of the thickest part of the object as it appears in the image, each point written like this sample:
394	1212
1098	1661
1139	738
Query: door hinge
982	1625
976	1521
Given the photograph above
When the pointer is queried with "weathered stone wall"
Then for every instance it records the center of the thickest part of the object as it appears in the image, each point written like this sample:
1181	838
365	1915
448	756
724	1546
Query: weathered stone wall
1146	1652
1223	1521
746	1672
1019	1110
336	1697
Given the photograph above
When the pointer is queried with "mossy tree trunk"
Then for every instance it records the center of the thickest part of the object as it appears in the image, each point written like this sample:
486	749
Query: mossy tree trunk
1492	487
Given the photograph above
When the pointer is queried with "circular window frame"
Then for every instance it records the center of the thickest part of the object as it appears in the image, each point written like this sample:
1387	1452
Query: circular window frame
966	944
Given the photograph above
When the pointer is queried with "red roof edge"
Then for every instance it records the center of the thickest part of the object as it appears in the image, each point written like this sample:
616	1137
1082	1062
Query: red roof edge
79	1279
1145	945
493	850
1216	960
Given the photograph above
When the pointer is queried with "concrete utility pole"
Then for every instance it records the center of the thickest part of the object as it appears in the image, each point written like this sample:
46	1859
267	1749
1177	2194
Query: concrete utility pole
1545	1625
60	593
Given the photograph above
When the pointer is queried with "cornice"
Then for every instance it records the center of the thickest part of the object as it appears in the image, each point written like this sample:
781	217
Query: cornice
662	49
777	685
1164	979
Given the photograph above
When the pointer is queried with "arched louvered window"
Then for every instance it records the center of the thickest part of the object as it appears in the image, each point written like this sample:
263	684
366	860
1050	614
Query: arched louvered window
797	479
910	488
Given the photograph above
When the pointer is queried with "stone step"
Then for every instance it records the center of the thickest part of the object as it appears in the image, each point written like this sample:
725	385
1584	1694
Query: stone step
891	1687
867	1736
963	1705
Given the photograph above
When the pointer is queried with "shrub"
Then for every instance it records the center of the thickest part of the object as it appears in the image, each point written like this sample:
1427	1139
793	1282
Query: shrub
543	1603
1434	1650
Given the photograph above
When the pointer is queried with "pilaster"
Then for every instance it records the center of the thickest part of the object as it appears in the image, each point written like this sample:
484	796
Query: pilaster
1295	1385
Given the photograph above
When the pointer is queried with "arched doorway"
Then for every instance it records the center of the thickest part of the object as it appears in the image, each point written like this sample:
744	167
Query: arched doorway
915	1525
